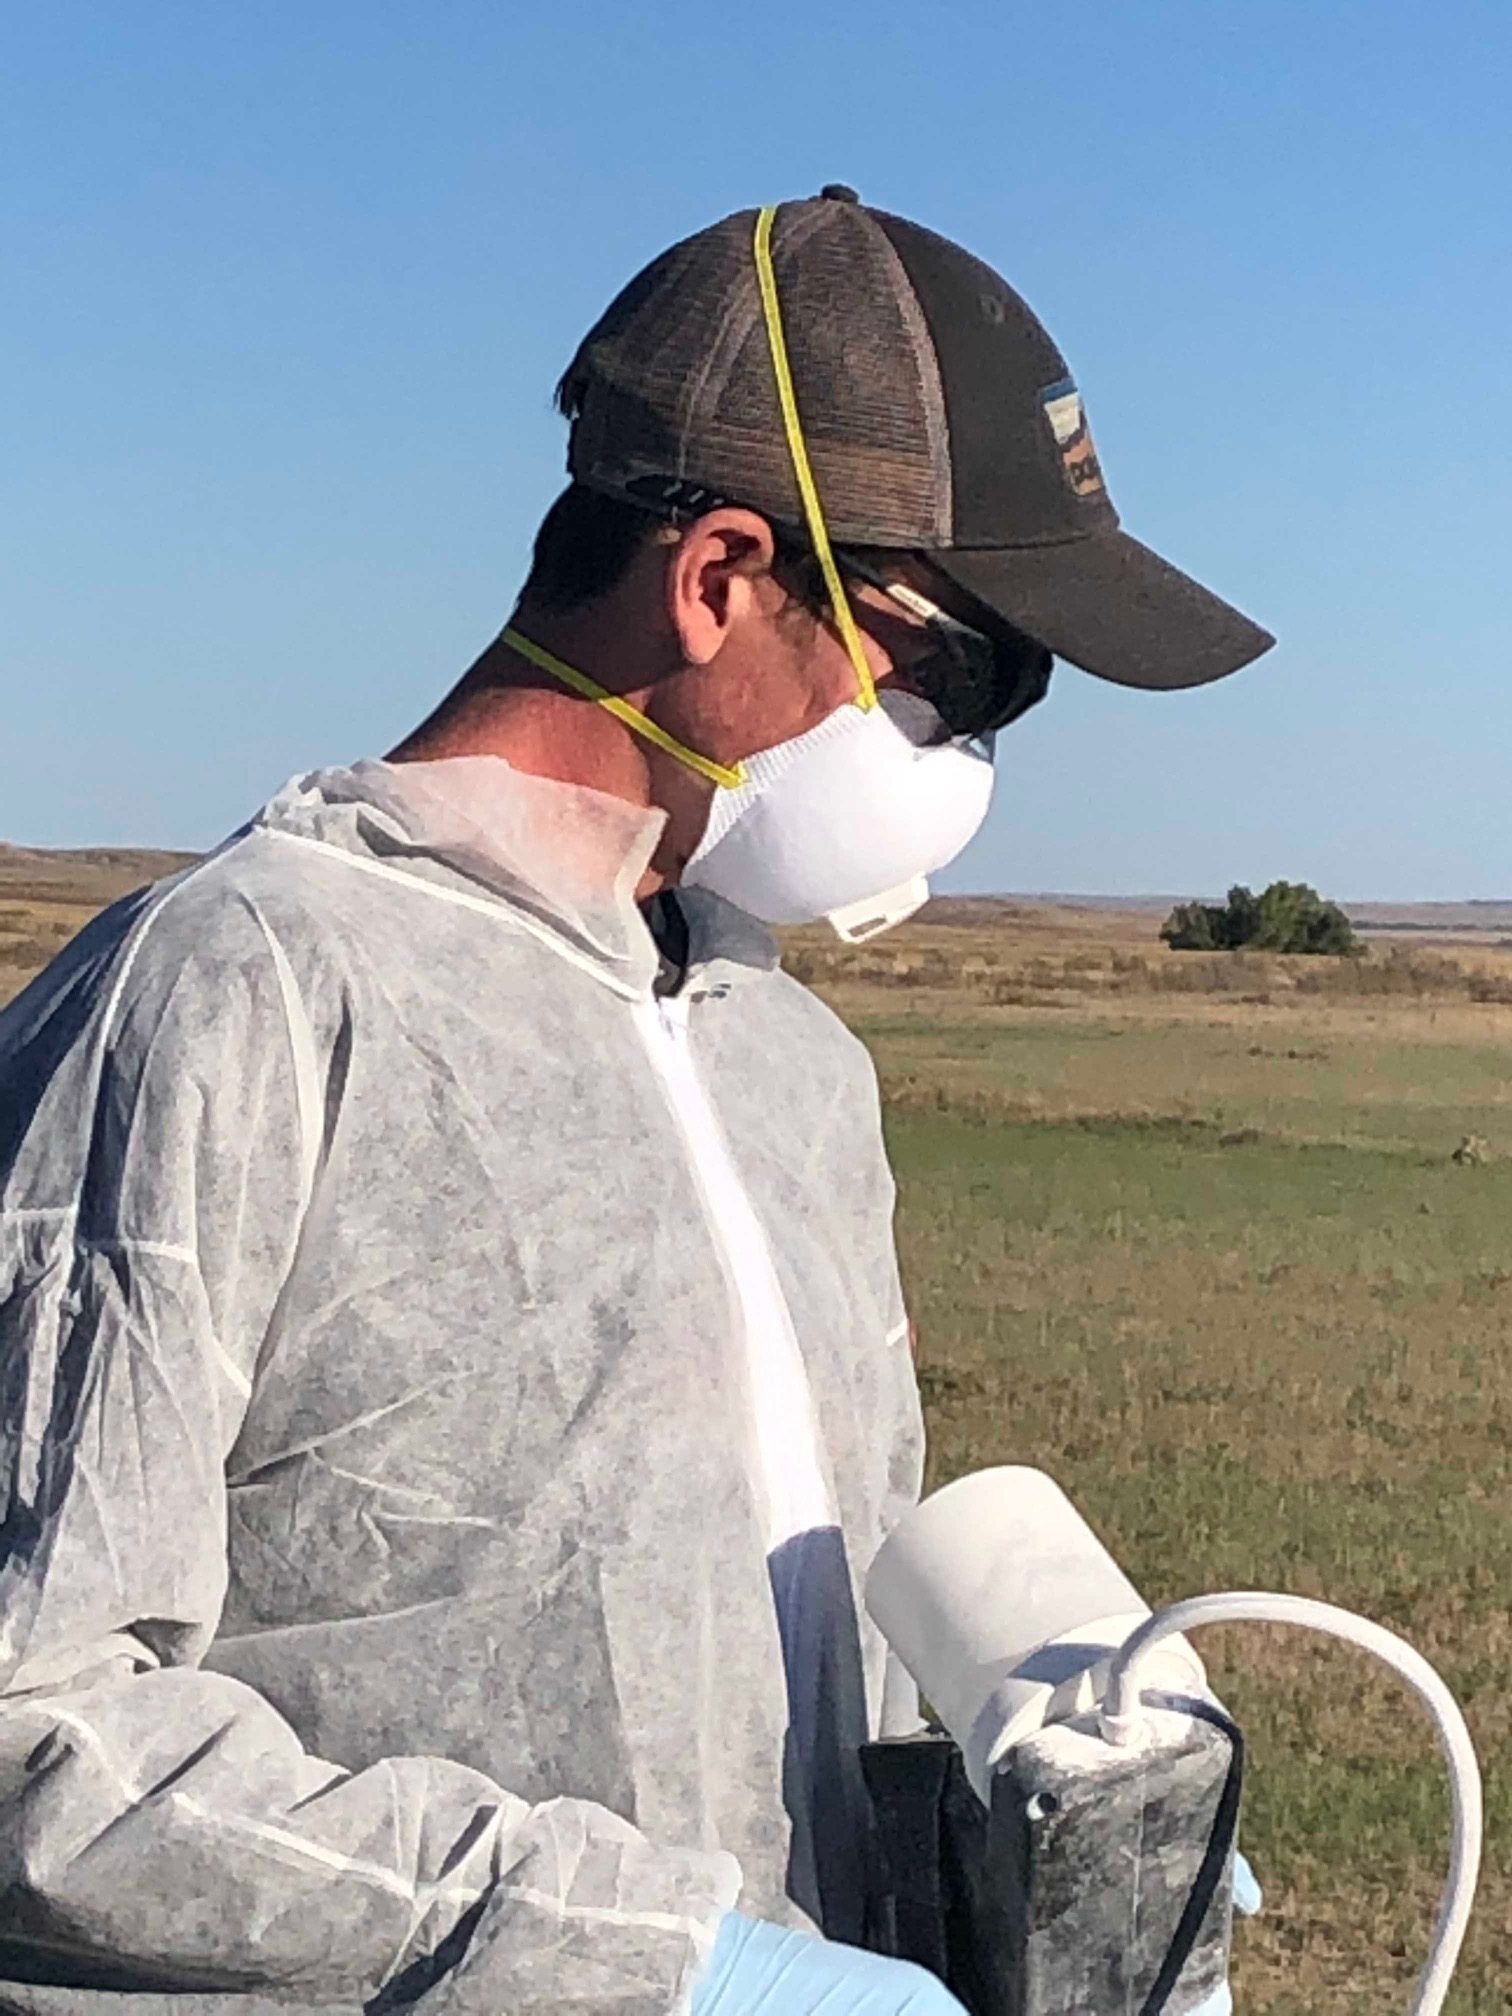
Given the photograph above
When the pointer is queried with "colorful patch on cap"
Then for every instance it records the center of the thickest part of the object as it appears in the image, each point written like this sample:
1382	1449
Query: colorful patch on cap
1068	423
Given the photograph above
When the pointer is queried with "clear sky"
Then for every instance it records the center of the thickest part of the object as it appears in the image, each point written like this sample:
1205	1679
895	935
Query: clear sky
287	284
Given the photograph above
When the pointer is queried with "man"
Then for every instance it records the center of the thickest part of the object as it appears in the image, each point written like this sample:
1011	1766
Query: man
455	1375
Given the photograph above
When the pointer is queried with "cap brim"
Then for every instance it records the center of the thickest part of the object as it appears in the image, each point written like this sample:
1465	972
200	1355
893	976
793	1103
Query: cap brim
1111	606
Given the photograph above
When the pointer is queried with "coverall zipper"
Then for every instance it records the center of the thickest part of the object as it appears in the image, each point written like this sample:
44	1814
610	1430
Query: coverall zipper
791	1481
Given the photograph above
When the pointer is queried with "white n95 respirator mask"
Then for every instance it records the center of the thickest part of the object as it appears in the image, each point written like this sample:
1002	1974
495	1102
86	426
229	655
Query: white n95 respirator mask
846	821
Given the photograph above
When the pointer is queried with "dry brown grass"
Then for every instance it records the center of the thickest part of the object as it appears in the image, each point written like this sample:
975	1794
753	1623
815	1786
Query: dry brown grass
46	897
30	933
1051	956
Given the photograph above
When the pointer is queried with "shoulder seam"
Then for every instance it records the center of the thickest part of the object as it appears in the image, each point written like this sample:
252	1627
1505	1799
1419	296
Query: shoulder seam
136	937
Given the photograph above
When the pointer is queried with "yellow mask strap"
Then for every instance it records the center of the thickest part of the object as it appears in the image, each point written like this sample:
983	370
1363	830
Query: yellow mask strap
729	775
808	490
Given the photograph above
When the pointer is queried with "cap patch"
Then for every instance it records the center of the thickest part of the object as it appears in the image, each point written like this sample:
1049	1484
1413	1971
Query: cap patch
1068	423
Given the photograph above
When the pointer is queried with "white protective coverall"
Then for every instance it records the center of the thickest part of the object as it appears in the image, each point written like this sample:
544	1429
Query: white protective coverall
423	1356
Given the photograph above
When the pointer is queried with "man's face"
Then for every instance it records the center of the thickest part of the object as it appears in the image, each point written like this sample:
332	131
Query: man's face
759	659
759	665
922	635
781	665
976	672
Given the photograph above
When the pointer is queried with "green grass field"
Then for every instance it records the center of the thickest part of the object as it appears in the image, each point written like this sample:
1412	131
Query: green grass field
1189	1234
1213	1266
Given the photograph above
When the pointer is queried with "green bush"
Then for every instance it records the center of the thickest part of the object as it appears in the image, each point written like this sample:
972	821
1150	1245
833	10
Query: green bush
1286	917
1191	927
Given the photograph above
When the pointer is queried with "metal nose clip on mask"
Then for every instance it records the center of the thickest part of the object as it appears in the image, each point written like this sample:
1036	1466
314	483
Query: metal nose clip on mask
847	821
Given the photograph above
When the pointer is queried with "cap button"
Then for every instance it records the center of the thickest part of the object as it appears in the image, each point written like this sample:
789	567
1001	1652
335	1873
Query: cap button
839	192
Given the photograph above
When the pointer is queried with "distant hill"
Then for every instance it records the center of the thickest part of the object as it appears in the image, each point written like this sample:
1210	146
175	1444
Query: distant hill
101	874
82	874
1474	915
1477	914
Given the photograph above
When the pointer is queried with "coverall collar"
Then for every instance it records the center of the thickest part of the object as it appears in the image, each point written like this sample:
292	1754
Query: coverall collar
569	855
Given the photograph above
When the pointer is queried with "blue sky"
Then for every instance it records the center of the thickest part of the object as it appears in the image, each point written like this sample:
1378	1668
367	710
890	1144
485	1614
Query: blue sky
289	285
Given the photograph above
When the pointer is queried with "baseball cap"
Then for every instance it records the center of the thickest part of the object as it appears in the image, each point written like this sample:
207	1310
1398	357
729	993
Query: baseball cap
938	414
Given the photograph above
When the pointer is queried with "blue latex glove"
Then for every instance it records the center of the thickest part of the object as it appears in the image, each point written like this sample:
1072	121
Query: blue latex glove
1247	1898
758	1969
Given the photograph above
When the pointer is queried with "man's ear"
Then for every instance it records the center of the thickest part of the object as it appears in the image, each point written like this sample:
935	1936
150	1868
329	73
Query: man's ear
712	576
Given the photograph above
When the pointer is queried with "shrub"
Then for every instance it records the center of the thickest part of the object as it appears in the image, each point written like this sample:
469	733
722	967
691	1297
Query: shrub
1191	927
1286	917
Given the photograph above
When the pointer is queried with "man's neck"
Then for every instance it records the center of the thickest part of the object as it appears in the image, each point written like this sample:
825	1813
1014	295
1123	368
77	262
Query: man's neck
505	706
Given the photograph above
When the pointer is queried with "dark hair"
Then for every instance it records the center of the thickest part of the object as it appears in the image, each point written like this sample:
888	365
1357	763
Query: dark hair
588	539
586	542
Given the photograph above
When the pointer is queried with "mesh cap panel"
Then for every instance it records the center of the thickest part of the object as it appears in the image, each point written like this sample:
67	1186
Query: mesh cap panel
995	475
676	378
